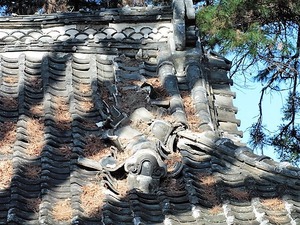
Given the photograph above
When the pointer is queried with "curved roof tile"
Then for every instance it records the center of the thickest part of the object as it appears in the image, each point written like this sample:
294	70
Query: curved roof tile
125	129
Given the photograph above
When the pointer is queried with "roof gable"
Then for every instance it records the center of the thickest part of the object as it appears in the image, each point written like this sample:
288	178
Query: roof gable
120	118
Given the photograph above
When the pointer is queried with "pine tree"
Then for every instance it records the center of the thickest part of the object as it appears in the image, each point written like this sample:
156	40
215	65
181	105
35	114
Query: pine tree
27	7
263	35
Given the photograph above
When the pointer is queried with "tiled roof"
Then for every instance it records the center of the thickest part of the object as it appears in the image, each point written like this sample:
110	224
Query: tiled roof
127	121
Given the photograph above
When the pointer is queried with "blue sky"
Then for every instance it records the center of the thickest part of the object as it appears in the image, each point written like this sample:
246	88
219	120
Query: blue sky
246	101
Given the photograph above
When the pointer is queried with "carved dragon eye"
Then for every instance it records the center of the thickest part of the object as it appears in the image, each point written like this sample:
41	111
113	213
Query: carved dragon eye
131	168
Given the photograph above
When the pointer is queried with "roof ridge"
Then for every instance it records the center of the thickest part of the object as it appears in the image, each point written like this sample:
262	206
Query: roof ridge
123	123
